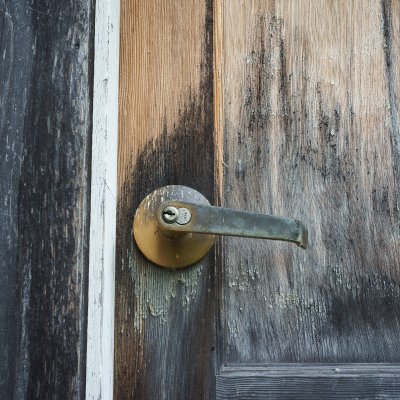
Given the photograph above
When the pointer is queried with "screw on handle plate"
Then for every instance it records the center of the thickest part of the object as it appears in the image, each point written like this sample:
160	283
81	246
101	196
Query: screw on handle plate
175	226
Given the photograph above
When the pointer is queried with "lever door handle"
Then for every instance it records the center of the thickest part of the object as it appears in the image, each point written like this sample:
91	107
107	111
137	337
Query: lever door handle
173	216
175	226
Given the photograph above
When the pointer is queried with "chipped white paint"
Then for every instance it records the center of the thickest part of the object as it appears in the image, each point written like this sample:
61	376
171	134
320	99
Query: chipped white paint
100	341
162	290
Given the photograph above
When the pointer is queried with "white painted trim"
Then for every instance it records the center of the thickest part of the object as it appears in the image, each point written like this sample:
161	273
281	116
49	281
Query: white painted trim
101	298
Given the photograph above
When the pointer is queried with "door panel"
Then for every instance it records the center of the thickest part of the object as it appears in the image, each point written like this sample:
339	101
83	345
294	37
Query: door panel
166	137
283	107
309	133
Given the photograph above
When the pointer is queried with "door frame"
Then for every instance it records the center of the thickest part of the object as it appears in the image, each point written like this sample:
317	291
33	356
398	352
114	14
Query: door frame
103	205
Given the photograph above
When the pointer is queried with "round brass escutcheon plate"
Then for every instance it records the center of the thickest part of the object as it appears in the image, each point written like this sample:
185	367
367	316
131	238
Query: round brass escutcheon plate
169	250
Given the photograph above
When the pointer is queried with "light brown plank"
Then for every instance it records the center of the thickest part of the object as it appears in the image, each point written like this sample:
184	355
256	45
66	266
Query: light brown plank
311	131
164	320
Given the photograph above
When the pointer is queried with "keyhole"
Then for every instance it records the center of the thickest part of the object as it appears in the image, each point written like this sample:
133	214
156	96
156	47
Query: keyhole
170	214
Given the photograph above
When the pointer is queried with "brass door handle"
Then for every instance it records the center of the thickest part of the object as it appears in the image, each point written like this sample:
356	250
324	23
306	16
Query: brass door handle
175	226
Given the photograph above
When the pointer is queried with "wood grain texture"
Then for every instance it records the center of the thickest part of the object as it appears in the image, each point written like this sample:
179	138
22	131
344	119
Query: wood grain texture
164	333
298	116
311	131
298	382
45	125
103	204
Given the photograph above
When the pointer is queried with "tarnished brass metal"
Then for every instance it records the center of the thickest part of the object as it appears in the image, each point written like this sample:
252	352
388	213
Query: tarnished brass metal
175	226
162	246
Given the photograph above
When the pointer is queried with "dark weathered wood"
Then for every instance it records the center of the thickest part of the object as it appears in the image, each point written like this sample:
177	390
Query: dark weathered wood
164	333
311	131
296	382
45	125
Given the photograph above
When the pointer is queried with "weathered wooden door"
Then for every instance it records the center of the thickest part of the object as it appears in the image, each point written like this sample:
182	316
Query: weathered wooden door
284	107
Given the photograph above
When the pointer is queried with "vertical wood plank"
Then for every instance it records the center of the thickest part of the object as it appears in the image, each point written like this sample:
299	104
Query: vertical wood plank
164	334
103	204
391	34
45	125
12	102
311	132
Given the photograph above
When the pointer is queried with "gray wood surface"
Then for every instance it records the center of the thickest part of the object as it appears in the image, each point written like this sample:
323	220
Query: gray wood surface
45	125
311	132
304	382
